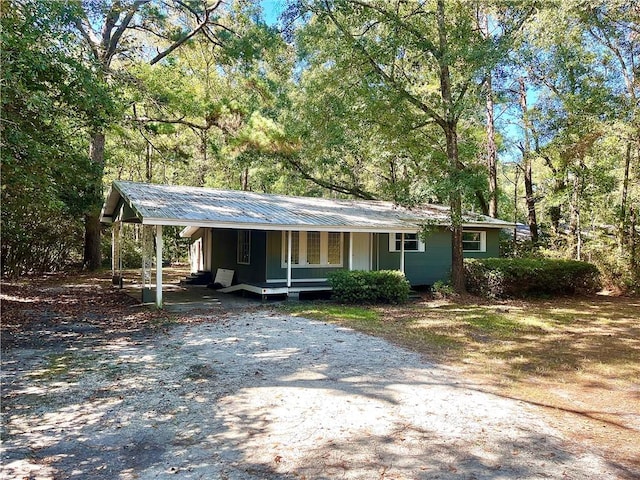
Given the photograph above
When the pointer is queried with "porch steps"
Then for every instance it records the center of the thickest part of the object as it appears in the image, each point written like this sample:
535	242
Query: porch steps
198	278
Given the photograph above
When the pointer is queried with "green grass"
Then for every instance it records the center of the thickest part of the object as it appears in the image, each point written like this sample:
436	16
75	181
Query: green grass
545	337
333	312
499	325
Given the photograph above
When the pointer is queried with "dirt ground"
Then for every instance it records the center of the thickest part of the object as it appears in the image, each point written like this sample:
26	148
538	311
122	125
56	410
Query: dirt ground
94	386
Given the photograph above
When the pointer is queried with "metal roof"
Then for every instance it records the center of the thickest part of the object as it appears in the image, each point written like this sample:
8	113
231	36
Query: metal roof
153	204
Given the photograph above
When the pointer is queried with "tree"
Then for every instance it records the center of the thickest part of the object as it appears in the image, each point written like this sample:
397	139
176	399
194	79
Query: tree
207	116
111	31
615	27
49	96
428	58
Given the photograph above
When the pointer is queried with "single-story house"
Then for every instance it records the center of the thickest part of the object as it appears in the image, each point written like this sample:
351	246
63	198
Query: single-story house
287	244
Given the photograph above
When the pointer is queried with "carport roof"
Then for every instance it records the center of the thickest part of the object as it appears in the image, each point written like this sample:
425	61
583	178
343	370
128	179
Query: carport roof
195	207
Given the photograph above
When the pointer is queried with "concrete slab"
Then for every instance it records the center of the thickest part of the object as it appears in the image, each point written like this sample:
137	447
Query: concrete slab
181	298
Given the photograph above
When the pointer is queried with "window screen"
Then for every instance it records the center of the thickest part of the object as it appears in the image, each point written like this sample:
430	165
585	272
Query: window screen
244	247
334	254
313	248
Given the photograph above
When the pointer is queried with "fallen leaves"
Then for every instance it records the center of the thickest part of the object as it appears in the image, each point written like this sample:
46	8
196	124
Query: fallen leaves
50	303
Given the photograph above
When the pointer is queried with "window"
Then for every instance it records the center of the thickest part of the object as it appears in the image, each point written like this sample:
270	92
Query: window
244	247
334	248
295	248
474	241
317	249
313	248
412	242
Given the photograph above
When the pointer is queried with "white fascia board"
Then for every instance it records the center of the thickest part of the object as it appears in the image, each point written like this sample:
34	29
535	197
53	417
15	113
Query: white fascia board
188	224
191	226
488	225
110	203
188	232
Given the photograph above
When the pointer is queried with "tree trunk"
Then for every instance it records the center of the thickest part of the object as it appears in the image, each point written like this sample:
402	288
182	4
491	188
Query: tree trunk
491	153
455	203
515	208
530	200
575	227
455	167
622	230
92	228
244	178
526	166
633	243
491	132
149	169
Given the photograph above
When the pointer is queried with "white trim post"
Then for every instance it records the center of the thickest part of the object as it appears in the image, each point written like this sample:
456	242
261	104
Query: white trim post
371	251
115	248
350	251
378	251
289	260
402	252
159	266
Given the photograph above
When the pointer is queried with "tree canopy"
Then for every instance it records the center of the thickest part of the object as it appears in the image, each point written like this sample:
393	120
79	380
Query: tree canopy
524	110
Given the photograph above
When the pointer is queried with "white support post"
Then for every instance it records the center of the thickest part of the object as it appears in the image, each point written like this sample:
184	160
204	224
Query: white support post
402	252
350	251
159	266
289	260
371	251
116	262
146	237
115	248
378	251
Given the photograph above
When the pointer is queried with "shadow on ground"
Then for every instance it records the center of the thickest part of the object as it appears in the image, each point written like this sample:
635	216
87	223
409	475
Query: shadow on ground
257	395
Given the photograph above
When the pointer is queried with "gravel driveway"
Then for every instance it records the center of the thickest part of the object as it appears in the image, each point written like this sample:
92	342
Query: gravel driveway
261	395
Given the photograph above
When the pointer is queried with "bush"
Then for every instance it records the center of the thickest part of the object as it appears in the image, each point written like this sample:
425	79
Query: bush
443	289
383	286
522	277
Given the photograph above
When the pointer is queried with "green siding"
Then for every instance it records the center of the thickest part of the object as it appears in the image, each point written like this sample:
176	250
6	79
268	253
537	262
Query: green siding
224	255
425	268
421	268
493	244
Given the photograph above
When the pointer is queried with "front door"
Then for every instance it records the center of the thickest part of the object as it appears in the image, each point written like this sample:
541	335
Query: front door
361	251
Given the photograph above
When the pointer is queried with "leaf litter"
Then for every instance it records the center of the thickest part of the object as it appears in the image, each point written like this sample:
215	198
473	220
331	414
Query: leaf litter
95	386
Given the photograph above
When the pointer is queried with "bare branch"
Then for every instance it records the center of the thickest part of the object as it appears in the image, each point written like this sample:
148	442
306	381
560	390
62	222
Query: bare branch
124	24
353	190
178	121
85	30
202	24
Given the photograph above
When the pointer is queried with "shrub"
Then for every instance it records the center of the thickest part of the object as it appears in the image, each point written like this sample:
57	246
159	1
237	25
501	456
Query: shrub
443	289
383	286
521	277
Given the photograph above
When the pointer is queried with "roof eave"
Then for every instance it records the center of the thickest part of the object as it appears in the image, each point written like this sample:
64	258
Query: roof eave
191	226
488	225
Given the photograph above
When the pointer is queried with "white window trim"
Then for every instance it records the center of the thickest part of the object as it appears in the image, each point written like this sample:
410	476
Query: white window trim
302	246
392	243
241	232
483	241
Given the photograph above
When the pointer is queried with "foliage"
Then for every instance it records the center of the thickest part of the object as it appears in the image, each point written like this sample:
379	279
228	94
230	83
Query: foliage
577	60
443	289
401	81
383	286
522	277
377	99
48	97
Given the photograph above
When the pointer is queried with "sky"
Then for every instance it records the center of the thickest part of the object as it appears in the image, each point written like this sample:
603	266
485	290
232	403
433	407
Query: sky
272	9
